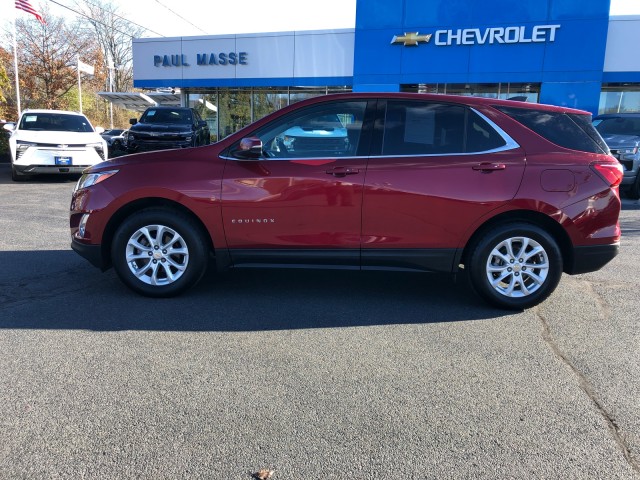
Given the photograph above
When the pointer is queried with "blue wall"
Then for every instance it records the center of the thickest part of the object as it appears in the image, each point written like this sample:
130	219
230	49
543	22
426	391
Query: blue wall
569	68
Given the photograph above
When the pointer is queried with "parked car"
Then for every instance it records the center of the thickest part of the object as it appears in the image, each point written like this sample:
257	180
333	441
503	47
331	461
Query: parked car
115	138
621	131
54	142
167	127
508	193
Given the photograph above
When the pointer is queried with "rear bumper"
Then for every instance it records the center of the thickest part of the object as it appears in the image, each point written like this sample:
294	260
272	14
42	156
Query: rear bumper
591	258
93	253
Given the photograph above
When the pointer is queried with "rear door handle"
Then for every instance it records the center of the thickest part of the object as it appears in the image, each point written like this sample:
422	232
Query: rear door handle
489	167
343	171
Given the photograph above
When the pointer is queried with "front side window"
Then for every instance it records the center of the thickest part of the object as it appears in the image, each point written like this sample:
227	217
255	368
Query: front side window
328	130
423	128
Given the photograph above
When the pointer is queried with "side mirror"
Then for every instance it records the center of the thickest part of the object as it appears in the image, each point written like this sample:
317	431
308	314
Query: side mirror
202	123
99	130
250	148
133	121
9	126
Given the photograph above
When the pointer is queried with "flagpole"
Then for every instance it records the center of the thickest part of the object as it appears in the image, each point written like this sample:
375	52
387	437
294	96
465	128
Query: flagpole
79	86
15	62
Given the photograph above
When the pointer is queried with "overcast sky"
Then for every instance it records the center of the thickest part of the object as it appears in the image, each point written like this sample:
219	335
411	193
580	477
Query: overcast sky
214	17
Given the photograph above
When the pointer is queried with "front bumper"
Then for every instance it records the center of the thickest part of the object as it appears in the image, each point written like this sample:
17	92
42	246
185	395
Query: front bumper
591	258
93	253
49	169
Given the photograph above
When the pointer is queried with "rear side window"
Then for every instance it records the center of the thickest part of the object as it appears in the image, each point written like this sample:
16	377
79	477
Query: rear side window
566	130
423	128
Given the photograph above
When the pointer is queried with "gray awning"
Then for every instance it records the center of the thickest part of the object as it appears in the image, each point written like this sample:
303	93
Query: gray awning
141	101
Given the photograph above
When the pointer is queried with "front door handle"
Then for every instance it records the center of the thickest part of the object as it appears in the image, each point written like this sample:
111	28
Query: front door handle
489	167
343	171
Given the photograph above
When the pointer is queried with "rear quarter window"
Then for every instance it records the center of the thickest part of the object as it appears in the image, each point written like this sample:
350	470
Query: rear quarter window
571	131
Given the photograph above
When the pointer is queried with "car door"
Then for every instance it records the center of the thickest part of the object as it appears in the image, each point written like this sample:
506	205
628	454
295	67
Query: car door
301	201
437	169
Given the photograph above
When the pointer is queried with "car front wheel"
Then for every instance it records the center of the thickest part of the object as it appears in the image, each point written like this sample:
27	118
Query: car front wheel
159	252
515	266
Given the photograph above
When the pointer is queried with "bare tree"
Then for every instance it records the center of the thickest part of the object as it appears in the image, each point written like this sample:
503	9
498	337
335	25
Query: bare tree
47	55
114	33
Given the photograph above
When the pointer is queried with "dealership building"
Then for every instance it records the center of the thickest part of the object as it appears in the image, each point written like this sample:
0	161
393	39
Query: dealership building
561	52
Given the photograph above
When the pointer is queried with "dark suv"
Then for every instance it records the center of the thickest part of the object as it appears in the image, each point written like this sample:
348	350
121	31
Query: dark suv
621	131
510	194
167	127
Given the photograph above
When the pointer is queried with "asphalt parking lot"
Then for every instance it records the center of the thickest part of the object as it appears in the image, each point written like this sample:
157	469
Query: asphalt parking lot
316	375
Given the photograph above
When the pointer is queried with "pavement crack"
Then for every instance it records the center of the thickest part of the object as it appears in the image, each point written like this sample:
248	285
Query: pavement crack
586	387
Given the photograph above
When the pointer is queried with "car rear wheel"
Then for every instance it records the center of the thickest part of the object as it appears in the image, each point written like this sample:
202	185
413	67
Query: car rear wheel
159	252
515	266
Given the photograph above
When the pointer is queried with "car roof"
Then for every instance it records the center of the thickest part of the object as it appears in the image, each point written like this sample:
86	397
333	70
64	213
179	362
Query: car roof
168	107
458	99
63	112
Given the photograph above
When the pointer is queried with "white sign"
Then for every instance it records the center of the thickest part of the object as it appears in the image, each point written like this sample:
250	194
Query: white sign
85	67
477	36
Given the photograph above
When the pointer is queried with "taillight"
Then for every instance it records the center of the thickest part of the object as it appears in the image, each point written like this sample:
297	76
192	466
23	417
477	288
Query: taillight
611	173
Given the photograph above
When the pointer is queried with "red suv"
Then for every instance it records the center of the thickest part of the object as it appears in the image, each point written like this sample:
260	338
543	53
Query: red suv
512	194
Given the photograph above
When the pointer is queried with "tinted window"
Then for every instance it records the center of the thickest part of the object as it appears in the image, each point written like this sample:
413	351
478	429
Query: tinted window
421	128
618	126
55	122
480	136
569	131
329	130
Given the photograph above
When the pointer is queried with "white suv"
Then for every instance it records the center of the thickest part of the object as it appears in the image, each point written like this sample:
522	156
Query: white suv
54	142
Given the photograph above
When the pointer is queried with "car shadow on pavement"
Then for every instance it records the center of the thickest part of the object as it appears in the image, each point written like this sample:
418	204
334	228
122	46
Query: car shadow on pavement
59	290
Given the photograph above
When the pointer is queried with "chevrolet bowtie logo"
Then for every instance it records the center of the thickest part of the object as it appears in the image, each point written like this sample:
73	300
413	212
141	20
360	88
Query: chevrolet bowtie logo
410	39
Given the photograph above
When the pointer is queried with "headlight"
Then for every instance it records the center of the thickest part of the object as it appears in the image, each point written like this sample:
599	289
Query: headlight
628	151
22	145
89	179
95	145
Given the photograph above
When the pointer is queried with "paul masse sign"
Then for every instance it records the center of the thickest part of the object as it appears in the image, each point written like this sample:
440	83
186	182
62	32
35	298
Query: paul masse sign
181	60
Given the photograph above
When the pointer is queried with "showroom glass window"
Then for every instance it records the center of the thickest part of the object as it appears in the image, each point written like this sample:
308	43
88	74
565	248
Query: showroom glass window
423	128
327	130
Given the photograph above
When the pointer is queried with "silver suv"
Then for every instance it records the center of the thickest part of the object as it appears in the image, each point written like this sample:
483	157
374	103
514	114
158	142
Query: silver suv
621	131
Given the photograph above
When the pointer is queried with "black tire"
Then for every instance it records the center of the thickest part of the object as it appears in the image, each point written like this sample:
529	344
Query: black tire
16	177
164	228
634	190
518	280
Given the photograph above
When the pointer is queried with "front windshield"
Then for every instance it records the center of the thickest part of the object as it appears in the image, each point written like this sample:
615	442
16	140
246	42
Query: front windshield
55	122
166	115
618	126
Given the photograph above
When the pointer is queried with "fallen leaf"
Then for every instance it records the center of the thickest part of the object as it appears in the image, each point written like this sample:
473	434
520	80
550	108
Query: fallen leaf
264	474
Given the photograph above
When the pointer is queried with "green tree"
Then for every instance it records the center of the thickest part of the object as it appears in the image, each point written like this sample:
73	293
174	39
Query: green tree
7	109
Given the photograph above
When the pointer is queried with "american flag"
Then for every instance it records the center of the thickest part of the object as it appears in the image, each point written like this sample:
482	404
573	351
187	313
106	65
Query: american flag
27	7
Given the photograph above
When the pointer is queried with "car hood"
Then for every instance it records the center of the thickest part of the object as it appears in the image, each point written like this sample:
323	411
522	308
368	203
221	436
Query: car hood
160	127
617	140
58	138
